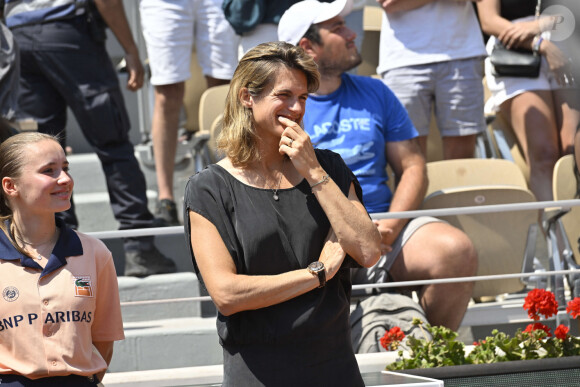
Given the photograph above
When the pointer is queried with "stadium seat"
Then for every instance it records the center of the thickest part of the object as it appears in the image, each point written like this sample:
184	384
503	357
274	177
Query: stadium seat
505	241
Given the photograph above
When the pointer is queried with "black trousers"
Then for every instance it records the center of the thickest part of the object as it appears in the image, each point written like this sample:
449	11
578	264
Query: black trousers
62	65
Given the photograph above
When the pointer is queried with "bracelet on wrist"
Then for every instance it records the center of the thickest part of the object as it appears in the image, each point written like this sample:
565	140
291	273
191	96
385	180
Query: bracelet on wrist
325	178
536	43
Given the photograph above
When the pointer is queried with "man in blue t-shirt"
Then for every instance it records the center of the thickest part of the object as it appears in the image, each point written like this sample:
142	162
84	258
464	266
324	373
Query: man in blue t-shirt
361	119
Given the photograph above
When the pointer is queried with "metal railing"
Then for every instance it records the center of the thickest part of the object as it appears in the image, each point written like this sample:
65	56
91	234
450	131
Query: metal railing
562	204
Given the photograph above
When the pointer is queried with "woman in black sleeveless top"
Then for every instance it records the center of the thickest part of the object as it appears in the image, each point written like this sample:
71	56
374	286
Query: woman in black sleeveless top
273	230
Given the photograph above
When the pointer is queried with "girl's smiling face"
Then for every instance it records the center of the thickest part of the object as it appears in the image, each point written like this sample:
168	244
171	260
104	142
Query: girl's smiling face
44	184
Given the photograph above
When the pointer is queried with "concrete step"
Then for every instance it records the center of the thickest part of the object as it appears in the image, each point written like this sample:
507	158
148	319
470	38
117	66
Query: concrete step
94	210
171	343
187	376
160	297
172	246
162	330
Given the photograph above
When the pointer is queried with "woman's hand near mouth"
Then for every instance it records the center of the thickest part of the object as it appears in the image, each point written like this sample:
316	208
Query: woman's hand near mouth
296	144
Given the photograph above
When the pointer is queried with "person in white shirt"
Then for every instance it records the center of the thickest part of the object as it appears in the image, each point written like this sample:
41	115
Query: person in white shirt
431	55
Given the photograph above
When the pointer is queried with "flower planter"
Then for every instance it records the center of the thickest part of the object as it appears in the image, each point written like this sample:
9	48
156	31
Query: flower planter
554	372
397	379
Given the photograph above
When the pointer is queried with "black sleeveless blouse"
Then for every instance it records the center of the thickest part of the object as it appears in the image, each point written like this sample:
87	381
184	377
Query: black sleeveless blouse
305	340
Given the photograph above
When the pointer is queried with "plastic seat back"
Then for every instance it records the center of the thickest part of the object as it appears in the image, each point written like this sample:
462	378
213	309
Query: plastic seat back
472	172
500	238
211	105
564	186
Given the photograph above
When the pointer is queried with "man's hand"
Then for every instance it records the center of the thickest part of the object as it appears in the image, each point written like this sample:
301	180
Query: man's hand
113	14
135	71
387	235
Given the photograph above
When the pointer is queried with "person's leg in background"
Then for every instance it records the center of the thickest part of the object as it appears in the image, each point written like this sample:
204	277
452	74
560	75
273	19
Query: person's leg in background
428	248
567	105
532	117
180	24
168	29
438	250
459	105
417	100
164	130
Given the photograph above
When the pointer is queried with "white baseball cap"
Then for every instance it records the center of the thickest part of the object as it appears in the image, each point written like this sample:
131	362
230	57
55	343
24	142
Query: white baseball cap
298	18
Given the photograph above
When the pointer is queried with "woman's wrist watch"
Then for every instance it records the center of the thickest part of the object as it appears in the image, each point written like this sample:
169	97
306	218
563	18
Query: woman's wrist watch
317	268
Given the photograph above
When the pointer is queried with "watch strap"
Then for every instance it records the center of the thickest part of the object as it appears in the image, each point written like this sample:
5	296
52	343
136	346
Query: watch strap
321	278
318	269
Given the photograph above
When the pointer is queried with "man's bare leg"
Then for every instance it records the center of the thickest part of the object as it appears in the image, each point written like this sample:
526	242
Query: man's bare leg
438	250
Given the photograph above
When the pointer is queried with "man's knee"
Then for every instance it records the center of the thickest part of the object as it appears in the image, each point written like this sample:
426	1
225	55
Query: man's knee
170	94
461	257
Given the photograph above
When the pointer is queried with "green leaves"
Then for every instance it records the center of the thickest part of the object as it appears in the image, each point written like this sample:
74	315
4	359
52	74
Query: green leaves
534	342
442	350
445	350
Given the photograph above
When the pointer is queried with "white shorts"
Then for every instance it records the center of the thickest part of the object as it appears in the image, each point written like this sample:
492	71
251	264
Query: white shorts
453	88
171	27
505	88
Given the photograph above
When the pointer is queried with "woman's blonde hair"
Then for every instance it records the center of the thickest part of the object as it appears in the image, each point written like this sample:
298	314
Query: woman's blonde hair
12	161
256	70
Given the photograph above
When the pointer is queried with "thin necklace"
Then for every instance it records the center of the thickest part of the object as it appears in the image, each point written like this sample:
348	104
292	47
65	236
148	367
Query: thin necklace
275	191
34	245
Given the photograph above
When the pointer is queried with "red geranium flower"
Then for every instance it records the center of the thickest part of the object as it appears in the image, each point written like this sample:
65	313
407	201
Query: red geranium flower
540	302
535	326
561	332
392	338
574	307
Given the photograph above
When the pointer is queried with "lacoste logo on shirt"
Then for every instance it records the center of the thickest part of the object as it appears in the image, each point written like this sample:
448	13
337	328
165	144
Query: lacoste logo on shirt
10	293
83	286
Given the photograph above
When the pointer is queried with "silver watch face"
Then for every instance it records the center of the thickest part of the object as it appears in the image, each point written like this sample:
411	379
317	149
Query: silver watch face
316	266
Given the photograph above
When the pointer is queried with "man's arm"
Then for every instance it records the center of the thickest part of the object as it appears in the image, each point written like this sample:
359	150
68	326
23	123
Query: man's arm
408	164
113	13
